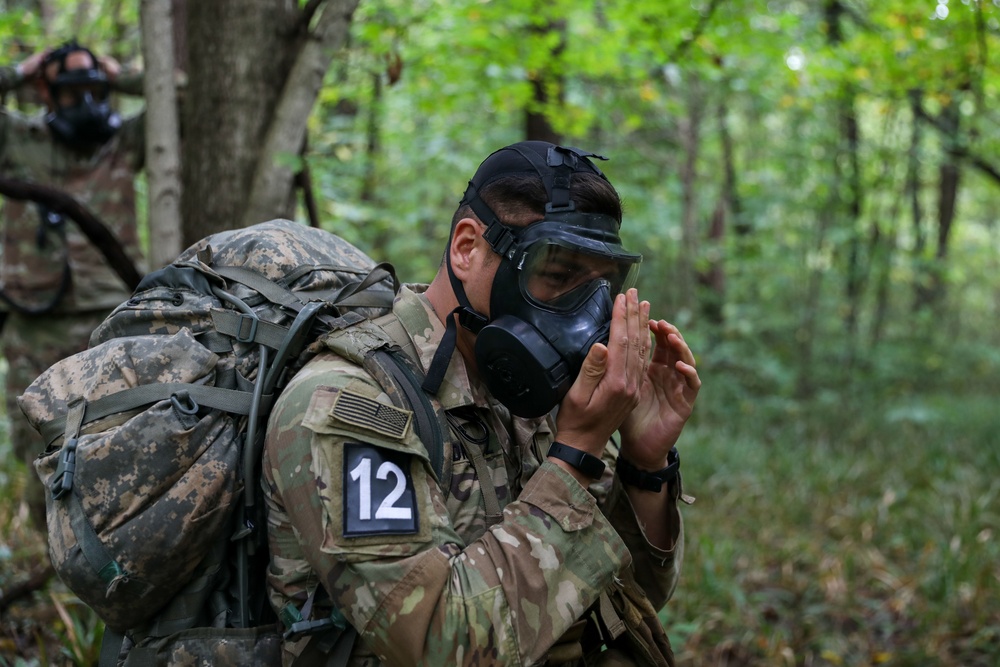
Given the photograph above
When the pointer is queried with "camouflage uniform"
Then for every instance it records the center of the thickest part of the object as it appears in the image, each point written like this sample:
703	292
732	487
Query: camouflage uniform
431	582
34	257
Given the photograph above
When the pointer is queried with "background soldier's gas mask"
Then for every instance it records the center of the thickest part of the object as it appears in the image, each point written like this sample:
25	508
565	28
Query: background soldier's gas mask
553	291
82	99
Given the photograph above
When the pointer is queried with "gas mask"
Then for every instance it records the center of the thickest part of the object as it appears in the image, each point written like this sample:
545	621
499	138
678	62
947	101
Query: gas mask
83	116
551	301
553	291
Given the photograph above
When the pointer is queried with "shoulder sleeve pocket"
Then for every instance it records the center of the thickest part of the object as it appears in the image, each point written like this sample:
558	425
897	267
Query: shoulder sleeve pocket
379	501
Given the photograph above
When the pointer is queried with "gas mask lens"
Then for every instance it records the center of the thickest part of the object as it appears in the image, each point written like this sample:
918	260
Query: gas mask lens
559	276
74	95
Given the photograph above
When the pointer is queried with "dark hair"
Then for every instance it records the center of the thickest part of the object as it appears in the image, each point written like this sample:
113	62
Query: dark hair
519	199
61	52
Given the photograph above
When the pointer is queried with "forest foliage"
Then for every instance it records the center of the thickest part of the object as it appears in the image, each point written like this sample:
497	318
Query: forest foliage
814	187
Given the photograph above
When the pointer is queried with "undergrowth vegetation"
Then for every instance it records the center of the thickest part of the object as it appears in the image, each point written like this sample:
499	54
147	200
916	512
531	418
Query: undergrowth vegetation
856	531
861	527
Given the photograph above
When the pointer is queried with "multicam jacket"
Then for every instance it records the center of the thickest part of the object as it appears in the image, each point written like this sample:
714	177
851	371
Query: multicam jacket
353	505
34	253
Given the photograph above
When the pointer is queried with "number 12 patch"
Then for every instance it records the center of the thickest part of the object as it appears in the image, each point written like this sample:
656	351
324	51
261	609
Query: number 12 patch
379	498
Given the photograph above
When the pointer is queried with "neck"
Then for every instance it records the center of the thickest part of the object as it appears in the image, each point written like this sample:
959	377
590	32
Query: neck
442	299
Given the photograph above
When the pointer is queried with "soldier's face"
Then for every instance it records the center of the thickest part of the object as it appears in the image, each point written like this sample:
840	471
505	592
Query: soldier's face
70	96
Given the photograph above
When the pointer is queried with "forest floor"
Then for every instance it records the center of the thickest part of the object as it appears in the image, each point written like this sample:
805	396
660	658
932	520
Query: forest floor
816	539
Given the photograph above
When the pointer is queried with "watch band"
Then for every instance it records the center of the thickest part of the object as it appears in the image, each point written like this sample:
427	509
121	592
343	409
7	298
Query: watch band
588	464
646	480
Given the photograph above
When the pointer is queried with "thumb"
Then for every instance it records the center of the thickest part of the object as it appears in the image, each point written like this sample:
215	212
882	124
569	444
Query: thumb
594	366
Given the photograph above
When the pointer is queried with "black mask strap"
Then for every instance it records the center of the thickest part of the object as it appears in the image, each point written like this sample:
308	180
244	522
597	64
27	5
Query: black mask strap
466	316
557	170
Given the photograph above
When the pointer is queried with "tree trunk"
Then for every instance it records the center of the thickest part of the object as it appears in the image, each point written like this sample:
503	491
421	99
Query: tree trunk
274	171
162	137
931	289
884	248
847	182
689	132
178	10
239	56
544	82
728	205
373	136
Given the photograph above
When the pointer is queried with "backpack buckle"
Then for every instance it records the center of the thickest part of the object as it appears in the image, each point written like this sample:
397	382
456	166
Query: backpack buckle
306	628
62	482
247	322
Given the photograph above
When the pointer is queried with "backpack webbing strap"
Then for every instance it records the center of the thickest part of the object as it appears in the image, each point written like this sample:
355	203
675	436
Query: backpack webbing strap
350	294
230	400
111	647
377	274
316	655
248	329
391	366
391	324
376	348
271	290
491	502
94	552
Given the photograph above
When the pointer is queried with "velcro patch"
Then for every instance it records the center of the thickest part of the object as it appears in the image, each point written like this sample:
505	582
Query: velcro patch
379	498
358	410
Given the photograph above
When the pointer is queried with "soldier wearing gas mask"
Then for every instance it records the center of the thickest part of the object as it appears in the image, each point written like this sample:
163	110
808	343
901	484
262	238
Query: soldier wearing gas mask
55	286
553	534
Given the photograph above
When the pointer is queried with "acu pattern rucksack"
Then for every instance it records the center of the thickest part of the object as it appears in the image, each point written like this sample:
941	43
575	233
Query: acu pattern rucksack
154	433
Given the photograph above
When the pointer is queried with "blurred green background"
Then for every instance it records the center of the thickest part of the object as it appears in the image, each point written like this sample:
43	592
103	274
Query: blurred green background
814	187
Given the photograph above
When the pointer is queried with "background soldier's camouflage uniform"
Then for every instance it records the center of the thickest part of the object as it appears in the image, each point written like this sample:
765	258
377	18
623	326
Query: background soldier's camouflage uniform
30	275
452	592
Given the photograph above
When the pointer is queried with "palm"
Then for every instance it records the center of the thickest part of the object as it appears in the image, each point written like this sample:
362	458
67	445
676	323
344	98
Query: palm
666	399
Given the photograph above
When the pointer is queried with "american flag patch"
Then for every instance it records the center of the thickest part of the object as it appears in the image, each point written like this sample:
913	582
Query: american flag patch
358	410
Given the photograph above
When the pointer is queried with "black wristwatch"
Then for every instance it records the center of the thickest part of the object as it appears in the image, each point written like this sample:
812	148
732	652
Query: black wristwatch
645	480
588	464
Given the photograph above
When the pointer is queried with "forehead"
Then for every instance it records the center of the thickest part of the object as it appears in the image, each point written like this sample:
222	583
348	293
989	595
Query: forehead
74	60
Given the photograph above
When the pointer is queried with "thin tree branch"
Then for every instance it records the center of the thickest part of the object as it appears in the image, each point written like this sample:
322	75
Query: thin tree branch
974	159
699	28
303	180
308	12
91	226
36	581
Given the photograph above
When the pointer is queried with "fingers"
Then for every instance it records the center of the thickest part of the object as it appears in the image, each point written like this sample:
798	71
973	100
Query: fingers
110	66
690	374
31	66
670	344
629	339
592	371
673	351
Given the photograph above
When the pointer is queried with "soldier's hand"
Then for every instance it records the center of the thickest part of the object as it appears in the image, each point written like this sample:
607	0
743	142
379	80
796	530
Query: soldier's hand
607	389
31	67
110	66
667	398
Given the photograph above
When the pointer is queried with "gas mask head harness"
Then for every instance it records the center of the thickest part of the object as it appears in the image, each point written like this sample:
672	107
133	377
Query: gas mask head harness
553	291
82	114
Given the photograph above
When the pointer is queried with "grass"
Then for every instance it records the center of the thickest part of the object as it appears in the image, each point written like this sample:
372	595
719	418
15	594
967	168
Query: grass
854	533
854	530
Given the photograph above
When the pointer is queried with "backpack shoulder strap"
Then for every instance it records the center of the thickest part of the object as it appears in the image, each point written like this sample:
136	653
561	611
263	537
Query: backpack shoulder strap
382	347
393	327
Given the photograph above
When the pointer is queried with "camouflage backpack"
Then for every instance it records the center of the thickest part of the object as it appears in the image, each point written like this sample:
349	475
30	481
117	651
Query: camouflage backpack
154	433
